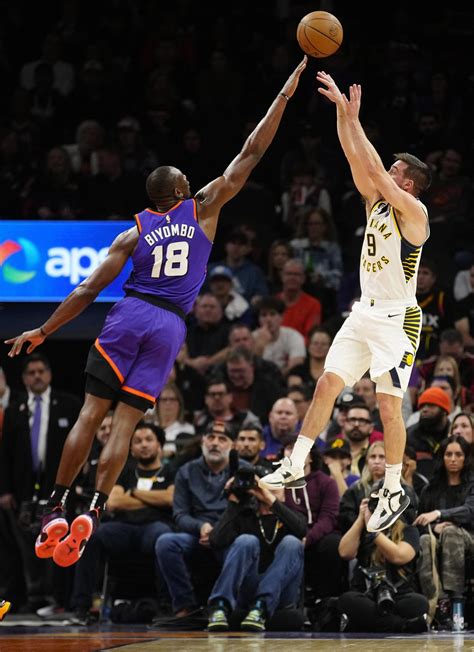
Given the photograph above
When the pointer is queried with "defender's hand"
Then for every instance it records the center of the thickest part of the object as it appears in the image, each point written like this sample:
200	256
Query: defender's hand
35	337
291	83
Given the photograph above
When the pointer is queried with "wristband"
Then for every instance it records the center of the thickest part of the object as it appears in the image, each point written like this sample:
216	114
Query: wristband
43	332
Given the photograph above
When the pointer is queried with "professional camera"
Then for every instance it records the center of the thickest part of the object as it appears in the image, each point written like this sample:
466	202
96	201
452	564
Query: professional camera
381	588
244	480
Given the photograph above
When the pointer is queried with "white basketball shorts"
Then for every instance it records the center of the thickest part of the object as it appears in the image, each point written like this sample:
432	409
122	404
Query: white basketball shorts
381	336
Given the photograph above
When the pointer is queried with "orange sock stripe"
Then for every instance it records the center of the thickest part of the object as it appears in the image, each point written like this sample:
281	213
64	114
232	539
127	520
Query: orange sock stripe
109	360
137	392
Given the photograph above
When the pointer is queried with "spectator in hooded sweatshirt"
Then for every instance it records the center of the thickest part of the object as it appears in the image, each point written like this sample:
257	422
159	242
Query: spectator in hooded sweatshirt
319	502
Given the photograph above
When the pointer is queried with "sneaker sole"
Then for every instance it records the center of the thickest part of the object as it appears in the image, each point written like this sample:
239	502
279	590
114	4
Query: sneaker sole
394	516
69	551
55	530
218	628
292	484
251	627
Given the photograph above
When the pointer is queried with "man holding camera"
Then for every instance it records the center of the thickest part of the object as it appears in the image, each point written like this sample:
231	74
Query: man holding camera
263	558
198	502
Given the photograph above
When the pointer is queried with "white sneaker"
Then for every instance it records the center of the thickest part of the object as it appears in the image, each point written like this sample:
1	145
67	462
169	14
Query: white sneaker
286	476
389	507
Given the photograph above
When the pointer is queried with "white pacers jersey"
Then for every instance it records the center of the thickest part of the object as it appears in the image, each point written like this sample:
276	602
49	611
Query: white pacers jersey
388	263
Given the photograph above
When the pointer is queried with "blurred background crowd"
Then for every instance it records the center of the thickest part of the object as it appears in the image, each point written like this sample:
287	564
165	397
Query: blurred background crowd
96	95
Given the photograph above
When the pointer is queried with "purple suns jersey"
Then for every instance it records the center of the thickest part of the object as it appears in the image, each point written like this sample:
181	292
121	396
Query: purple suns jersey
170	259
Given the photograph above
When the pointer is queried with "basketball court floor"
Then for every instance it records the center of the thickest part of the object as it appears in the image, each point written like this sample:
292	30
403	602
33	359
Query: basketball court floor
15	638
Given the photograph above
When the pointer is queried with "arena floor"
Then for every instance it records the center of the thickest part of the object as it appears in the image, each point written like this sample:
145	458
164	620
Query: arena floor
23	638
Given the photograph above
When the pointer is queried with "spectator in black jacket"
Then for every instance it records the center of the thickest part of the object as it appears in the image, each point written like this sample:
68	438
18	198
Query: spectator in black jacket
264	557
426	435
34	431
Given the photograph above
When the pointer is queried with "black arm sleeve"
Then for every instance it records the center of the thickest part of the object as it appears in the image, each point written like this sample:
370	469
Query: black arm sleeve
294	521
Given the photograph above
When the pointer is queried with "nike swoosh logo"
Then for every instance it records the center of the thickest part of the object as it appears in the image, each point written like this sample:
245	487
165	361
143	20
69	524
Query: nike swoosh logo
395	315
286	474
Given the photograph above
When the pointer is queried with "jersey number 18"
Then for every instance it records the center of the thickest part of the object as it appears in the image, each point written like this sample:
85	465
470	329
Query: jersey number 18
176	259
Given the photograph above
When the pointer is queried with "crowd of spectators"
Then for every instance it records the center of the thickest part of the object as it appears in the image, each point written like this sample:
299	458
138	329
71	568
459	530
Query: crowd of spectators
99	95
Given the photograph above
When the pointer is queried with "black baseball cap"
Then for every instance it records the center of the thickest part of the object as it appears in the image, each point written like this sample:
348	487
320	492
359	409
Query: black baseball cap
338	447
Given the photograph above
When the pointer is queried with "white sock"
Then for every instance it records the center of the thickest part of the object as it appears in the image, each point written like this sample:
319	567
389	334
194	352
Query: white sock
393	474
300	451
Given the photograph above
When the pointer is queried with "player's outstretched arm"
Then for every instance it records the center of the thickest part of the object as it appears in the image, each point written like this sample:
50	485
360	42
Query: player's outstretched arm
404	202
347	119
83	295
212	197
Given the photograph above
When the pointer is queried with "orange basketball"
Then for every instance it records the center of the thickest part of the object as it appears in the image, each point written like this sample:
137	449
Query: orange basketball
319	34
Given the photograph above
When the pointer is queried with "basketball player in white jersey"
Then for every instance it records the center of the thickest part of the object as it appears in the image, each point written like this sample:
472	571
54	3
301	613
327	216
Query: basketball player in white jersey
383	330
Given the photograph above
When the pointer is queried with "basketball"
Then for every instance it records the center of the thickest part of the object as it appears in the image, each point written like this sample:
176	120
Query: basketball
319	34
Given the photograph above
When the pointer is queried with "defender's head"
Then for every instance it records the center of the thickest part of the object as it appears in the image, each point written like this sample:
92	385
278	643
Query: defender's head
167	183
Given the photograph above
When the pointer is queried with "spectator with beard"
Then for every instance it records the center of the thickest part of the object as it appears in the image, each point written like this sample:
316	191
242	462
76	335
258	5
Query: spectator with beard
199	501
447	384
345	401
281	428
425	436
358	430
218	400
249	445
141	503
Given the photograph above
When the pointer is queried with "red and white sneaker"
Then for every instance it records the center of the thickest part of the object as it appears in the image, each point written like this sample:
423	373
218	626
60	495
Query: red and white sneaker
54	527
68	551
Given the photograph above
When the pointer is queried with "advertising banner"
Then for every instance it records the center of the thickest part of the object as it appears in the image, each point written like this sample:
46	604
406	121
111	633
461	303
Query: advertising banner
44	261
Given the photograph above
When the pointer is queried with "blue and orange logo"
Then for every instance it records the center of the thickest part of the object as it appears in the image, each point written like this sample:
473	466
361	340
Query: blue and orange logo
24	254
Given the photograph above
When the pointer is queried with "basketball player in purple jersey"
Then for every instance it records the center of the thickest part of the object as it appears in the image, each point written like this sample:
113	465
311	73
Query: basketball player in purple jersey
131	359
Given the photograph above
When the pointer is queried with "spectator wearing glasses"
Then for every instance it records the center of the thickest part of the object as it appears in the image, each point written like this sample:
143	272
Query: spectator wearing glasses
218	400
358	429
